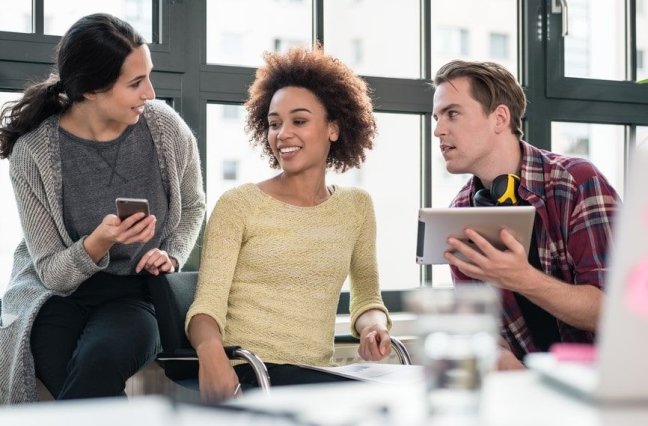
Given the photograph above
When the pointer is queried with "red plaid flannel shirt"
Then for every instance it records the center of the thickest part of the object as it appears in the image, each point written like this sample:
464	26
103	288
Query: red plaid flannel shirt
575	206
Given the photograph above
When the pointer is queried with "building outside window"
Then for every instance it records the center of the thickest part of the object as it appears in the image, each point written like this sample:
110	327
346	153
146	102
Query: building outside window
499	46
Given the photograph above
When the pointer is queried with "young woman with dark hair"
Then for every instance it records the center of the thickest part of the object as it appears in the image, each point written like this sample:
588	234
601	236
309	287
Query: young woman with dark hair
76	313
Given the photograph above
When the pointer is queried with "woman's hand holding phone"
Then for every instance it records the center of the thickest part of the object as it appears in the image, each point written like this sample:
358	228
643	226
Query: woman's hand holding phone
136	228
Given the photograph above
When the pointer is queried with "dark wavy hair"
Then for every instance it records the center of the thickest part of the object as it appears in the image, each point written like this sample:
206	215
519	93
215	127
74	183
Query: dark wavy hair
491	85
345	97
89	59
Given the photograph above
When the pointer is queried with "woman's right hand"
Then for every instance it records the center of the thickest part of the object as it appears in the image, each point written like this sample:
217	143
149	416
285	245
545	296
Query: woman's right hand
216	377
137	228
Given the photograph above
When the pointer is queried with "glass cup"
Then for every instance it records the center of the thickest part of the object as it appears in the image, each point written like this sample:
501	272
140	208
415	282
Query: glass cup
457	332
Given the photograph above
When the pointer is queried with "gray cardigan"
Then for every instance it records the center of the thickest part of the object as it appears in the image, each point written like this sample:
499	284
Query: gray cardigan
47	262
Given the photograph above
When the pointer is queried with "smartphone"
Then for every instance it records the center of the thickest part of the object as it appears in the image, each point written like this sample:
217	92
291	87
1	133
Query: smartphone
129	206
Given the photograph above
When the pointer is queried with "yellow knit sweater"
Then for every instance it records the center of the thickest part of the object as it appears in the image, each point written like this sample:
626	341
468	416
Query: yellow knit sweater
271	272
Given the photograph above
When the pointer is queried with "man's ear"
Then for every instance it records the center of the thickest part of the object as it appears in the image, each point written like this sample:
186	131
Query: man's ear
502	116
334	130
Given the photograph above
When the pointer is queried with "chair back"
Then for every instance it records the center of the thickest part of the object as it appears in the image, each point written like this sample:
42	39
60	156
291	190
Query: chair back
172	296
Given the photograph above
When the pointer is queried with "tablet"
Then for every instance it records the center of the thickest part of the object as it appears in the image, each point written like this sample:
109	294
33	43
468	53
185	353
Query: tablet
437	224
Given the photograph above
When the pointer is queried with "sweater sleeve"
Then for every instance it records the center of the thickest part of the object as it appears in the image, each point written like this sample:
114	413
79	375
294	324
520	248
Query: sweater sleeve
222	243
365	289
60	267
192	197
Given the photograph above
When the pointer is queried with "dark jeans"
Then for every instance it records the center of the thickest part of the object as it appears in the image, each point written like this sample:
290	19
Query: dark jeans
89	343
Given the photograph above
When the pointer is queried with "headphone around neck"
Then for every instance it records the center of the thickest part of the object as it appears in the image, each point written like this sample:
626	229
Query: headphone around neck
503	192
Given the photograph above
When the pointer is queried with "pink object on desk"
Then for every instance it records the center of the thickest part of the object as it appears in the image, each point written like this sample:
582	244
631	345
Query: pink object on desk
637	288
573	352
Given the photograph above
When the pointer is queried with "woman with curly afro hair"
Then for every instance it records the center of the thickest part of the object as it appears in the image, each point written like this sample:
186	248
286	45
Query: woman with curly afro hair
277	252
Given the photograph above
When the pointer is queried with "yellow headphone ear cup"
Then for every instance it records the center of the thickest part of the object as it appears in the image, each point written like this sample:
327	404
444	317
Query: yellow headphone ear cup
504	190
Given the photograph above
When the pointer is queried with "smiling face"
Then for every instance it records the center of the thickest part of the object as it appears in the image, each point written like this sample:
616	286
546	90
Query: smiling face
124	102
299	132
467	134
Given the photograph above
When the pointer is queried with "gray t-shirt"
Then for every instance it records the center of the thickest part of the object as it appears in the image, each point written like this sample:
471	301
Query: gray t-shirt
95	173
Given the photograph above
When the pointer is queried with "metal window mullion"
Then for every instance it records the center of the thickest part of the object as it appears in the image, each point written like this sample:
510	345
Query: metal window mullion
426	180
629	148
38	16
426	39
156	30
318	21
426	122
631	40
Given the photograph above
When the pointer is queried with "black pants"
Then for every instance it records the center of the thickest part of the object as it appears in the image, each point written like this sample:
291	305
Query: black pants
89	343
285	375
280	375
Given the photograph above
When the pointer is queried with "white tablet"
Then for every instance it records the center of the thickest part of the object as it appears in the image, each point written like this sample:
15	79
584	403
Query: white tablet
437	224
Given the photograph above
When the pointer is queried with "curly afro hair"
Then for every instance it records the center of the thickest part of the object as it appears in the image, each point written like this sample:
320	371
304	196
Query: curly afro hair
345	97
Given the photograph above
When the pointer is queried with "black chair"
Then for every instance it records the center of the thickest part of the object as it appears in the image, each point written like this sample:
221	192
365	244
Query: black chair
172	296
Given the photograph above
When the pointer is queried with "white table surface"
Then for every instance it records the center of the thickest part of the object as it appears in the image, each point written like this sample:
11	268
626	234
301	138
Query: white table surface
516	398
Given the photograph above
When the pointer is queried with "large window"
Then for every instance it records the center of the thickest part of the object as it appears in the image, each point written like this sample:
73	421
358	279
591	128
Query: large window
581	101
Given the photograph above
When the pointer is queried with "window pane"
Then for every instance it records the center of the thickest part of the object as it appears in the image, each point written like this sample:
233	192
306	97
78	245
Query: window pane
595	27
499	46
239	31
642	137
231	161
375	37
395	195
391	174
602	144
451	41
60	15
18	17
642	40
11	229
485	30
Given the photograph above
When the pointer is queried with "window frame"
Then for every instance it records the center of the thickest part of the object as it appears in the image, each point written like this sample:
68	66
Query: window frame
626	93
183	77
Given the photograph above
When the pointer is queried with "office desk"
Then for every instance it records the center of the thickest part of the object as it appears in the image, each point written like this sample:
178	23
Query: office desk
523	398
517	398
511	398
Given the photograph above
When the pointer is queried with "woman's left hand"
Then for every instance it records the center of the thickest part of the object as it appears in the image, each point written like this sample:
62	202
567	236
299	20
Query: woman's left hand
156	262
375	343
